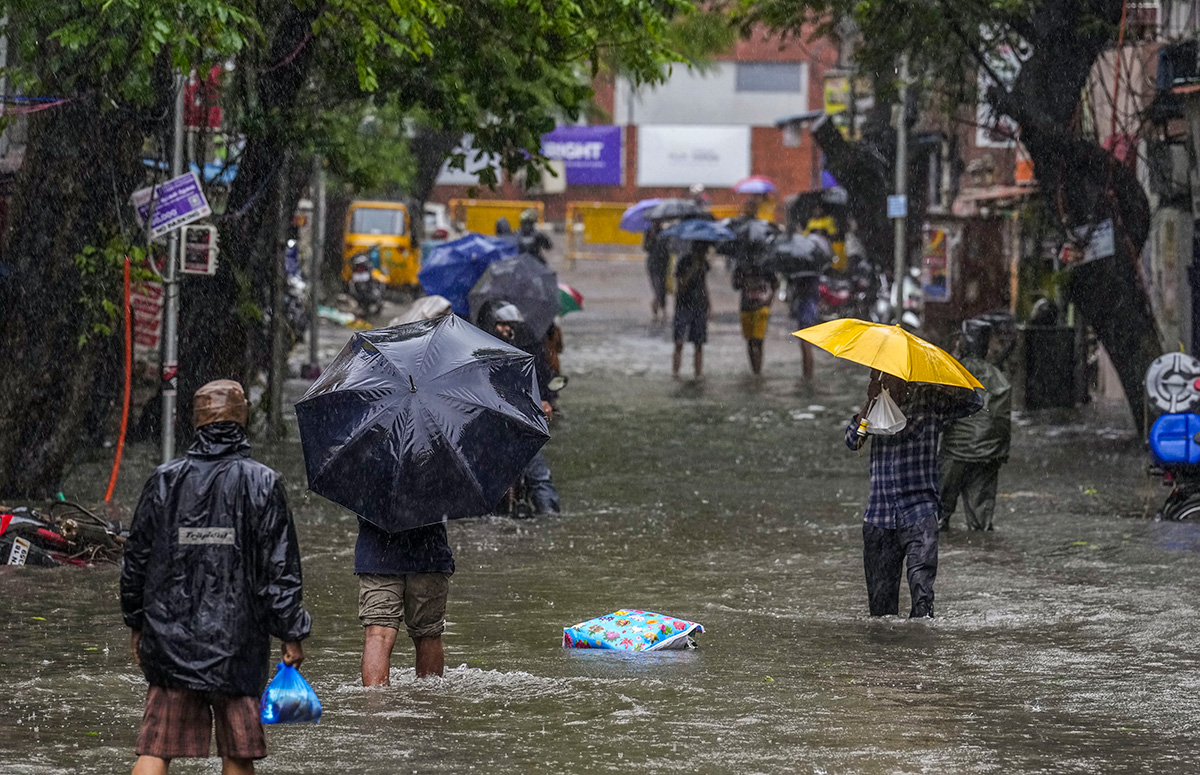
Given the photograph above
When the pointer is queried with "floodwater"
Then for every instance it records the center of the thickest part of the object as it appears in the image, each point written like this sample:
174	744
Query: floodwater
1065	641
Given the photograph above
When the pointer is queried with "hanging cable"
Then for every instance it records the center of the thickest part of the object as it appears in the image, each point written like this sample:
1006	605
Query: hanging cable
112	479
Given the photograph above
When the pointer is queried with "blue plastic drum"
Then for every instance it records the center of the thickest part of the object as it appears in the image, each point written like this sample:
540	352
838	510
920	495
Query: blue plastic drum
1175	439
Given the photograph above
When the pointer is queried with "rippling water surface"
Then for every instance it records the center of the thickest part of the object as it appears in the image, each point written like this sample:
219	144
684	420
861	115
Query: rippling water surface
1065	640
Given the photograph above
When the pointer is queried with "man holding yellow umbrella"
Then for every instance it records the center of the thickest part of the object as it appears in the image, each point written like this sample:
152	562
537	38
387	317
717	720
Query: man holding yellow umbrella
915	388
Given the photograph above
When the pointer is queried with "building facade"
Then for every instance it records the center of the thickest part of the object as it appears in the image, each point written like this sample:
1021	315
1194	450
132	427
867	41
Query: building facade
713	125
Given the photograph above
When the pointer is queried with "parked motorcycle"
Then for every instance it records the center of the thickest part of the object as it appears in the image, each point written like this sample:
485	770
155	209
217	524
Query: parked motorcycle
857	294
366	285
1173	392
296	306
68	535
910	316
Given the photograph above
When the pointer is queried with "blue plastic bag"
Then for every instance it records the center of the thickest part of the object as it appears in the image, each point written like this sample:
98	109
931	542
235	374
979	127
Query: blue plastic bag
289	699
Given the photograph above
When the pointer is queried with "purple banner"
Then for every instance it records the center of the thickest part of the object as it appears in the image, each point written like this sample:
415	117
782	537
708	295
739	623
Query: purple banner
591	154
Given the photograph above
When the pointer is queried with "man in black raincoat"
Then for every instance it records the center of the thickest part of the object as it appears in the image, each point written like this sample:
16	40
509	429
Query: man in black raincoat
211	573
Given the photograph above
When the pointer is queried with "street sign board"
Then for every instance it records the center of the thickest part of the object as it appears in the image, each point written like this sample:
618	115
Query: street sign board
180	201
897	206
199	250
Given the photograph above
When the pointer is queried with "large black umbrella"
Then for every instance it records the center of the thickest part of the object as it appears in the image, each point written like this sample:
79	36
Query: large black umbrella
527	283
420	423
676	209
753	239
798	254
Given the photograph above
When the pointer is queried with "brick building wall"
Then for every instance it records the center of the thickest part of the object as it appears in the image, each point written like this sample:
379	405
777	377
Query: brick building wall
792	167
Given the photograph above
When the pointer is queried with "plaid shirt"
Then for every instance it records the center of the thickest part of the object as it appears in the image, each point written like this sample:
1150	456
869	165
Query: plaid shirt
904	467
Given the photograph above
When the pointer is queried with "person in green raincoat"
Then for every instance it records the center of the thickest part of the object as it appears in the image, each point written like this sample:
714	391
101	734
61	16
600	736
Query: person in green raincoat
974	448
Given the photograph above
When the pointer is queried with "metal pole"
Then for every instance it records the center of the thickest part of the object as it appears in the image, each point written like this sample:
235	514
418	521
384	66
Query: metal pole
901	267
317	264
170	344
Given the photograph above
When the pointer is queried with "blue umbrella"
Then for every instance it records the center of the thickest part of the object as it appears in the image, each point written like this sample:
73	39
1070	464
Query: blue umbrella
453	269
634	218
420	423
699	230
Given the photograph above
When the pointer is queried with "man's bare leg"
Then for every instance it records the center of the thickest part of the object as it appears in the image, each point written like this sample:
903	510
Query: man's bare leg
430	656
231	766
150	765
677	359
698	361
377	654
807	357
755	346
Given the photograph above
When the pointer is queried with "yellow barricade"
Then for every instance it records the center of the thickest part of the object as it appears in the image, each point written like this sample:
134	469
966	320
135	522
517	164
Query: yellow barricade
766	211
480	215
593	233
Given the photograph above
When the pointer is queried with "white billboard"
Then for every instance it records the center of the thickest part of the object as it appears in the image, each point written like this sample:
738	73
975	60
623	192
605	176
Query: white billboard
475	161
680	155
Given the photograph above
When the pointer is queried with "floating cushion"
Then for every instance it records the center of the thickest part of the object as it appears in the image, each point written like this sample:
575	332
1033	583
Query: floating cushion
631	631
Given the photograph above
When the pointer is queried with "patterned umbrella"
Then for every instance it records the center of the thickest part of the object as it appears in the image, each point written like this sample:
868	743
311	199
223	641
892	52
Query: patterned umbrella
569	299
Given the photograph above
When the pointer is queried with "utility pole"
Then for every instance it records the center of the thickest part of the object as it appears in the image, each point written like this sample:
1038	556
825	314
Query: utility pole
317	263
901	239
170	344
280	339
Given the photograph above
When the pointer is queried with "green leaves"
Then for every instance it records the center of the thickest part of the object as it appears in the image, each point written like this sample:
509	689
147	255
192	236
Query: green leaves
101	271
114	48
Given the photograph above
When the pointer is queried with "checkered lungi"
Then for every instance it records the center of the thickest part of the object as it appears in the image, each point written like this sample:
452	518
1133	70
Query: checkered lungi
179	722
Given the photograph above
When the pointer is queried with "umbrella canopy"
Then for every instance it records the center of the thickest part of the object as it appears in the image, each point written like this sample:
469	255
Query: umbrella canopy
755	184
890	349
699	230
634	217
569	299
753	240
524	281
798	255
675	209
452	269
420	423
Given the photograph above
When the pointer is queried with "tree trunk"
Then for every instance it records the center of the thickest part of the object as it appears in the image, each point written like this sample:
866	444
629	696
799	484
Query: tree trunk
430	147
222	335
80	164
1084	184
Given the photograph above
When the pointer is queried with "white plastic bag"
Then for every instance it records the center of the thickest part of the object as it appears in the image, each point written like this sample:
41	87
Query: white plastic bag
885	418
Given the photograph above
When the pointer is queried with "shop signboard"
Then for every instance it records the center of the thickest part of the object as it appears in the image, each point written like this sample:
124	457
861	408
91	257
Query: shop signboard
591	155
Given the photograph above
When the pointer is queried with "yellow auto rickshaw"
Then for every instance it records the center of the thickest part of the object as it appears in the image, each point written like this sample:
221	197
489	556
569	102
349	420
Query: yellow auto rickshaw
384	226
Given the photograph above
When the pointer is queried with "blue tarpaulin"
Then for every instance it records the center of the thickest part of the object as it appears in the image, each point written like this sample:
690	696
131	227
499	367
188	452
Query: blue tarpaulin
453	269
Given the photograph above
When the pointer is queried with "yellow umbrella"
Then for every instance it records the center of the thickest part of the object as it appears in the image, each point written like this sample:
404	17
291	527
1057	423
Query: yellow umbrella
890	349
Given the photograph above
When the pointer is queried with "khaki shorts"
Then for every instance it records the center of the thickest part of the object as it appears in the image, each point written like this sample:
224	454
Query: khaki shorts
417	600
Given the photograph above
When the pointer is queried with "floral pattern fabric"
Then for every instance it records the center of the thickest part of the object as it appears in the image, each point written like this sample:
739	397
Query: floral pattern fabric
631	631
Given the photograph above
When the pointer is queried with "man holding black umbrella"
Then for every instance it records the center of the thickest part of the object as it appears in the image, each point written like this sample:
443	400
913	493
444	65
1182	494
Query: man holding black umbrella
411	426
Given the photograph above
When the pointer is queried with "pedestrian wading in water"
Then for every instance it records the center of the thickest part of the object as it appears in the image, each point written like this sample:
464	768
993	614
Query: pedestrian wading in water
974	448
691	306
211	573
900	524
